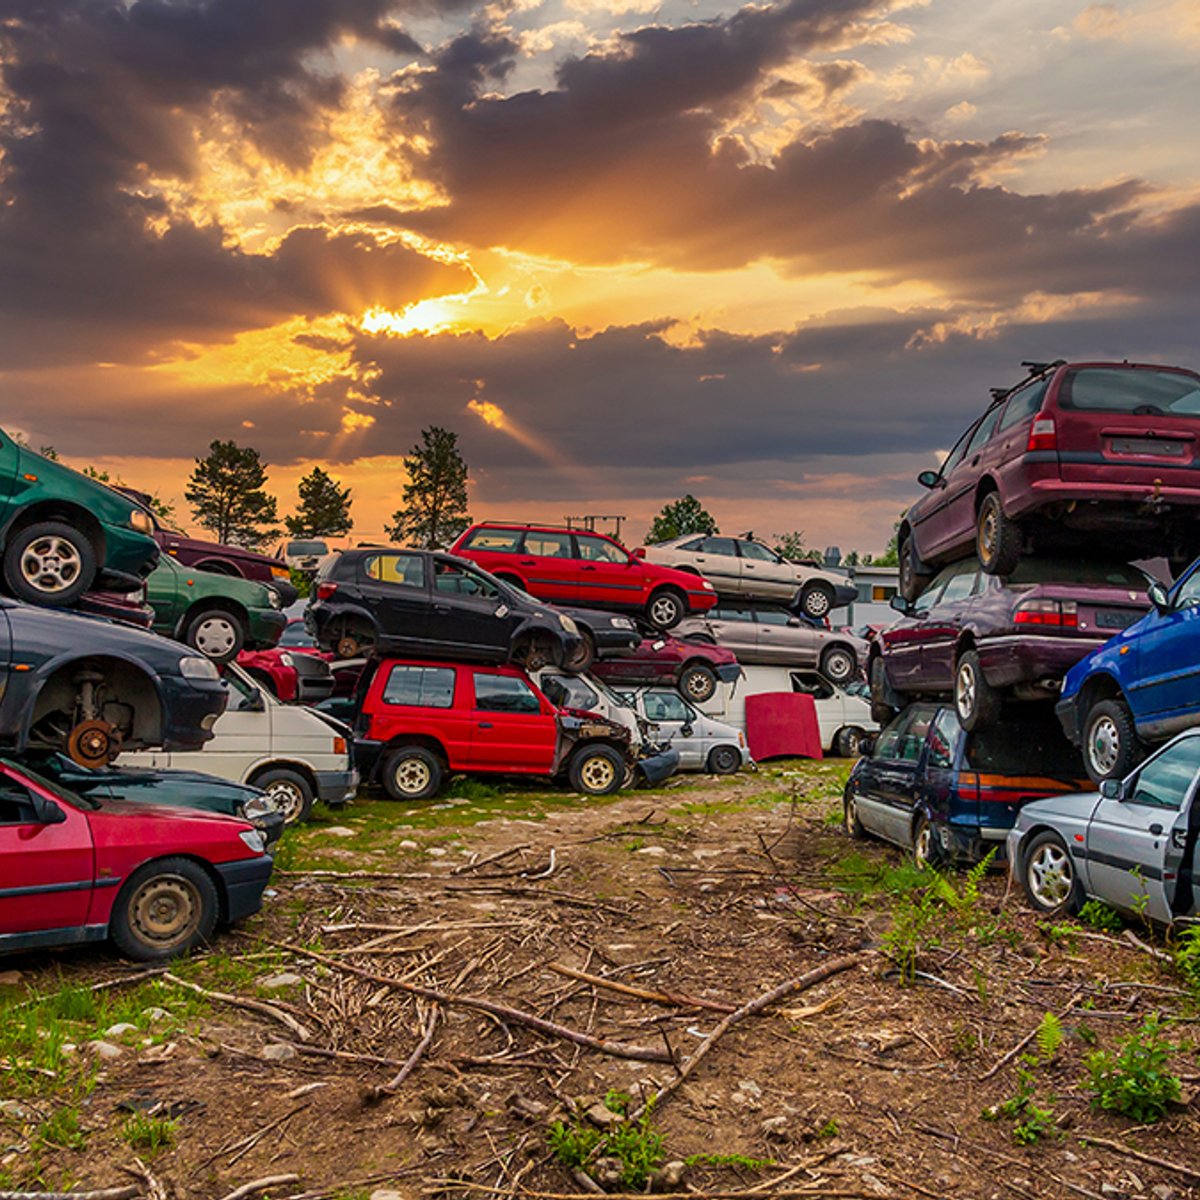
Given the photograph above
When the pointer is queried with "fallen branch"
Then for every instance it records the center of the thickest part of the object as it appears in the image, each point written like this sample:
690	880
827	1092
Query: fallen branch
129	1192
260	1185
1062	1012
824	1192
499	856
326	874
1137	943
393	1084
674	999
1118	1148
257	1006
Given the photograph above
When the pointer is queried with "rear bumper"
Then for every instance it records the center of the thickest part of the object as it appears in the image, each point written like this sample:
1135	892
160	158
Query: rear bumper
266	626
658	767
336	787
844	594
191	708
1027	658
1067	712
244	882
1041	492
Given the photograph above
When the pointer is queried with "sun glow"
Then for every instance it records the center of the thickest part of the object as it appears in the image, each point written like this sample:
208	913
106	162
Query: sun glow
492	415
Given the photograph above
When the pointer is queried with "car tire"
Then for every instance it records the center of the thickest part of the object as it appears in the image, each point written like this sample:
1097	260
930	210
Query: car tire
850	818
724	760
698	682
582	659
882	713
165	909
1048	875
292	792
1111	747
976	702
912	581
217	633
596	770
847	742
412	773
816	600
666	608
540	650
927	850
49	563
997	537
838	663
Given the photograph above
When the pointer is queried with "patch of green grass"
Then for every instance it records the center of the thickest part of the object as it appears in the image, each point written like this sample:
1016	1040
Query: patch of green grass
1031	1121
830	1129
742	1161
861	875
1134	1080
60	1131
1095	914
149	1135
637	1145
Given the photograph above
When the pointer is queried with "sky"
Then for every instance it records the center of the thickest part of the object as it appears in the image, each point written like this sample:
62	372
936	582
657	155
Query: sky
773	255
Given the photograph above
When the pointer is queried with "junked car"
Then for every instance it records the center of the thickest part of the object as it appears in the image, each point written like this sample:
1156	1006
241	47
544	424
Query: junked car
695	668
304	554
1132	845
703	742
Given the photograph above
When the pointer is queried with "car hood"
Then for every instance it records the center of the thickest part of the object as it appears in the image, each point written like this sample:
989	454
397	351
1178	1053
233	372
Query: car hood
1079	805
166	812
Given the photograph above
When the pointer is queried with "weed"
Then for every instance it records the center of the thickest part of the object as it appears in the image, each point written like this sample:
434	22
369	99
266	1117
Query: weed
1031	1121
830	1129
964	1043
149	1135
1049	1037
617	1101
637	1145
914	919
1066	936
1095	914
1187	958
1135	1081
61	1131
729	1160
863	876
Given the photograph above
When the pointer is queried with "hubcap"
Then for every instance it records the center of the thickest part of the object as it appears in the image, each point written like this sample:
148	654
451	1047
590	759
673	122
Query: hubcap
412	775
923	846
1104	745
816	603
965	686
165	911
598	774
51	564
289	797
663	611
216	637
838	666
1050	875
850	743
987	530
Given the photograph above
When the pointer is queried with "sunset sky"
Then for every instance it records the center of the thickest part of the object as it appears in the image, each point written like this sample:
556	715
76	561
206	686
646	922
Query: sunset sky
773	255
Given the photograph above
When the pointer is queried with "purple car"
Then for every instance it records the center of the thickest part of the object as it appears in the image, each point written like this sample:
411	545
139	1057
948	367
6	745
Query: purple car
985	638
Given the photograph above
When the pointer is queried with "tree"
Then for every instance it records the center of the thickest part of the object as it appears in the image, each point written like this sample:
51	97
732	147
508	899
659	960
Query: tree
324	509
164	510
435	496
227	497
683	516
891	556
790	545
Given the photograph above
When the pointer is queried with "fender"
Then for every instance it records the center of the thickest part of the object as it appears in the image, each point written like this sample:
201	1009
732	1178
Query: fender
538	624
348	608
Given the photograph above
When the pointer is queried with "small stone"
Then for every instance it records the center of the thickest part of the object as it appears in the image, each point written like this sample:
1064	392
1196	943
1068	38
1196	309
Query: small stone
409	844
278	1052
607	1171
668	1177
1160	1191
120	1029
748	1085
154	1015
105	1050
339	831
775	1129
10	978
1109	1189
603	1117
651	851
436	851
284	979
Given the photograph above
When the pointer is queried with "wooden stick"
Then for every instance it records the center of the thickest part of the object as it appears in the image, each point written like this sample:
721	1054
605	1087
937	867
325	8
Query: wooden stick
257	1006
129	1192
348	1056
808	979
1062	1012
499	856
393	1084
674	999
1137	943
832	1193
603	1045
260	1185
326	874
1118	1148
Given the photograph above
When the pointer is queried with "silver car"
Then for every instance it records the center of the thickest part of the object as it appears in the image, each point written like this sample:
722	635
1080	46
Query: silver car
769	634
1131	845
745	567
704	743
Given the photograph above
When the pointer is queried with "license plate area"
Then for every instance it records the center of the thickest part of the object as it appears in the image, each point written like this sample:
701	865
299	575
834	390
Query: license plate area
1115	618
1149	447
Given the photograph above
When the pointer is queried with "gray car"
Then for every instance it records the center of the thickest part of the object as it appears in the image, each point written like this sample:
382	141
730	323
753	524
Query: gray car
771	635
1131	845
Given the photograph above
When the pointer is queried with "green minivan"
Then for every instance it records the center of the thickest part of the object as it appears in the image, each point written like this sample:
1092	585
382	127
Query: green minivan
63	534
219	615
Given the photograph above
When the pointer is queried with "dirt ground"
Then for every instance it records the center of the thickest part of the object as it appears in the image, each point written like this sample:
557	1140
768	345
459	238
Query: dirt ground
710	892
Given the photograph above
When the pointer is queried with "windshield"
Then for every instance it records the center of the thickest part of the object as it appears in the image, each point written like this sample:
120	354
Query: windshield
1131	390
1011	748
307	548
71	798
1079	571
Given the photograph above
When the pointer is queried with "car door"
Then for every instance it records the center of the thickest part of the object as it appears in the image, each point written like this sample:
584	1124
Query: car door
929	517
1181	857
607	573
890	783
959	510
942	626
547	561
164	586
936	793
468	611
764	573
902	642
733	626
514	728
716	558
1167	686
668	710
785	639
395	591
1129	836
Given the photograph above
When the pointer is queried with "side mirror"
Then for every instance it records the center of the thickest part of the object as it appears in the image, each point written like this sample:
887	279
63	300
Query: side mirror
252	703
47	812
929	479
687	730
794	622
899	603
1112	789
866	745
640	552
1158	597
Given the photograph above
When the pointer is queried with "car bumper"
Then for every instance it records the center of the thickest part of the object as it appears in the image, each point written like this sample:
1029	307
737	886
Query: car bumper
1029	658
191	708
129	557
314	679
265	627
336	787
658	767
271	826
844	593
616	641
971	841
729	673
244	882
1052	488
701	601
1067	712
285	589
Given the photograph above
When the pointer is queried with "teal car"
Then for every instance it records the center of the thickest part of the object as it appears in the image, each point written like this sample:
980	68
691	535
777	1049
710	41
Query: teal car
219	615
63	534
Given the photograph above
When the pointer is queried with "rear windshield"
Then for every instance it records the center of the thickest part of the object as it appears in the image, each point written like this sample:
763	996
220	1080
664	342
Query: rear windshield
1024	746
1078	571
307	548
1141	392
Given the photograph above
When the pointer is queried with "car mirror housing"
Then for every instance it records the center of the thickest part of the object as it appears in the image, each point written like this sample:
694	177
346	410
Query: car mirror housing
1112	789
866	745
929	479
687	731
794	622
1158	597
899	603
47	812
640	552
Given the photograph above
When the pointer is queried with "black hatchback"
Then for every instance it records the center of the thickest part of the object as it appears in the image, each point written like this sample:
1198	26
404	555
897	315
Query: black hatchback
391	601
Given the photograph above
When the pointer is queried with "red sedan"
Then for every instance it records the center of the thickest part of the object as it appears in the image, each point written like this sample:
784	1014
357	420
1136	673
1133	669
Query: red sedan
695	668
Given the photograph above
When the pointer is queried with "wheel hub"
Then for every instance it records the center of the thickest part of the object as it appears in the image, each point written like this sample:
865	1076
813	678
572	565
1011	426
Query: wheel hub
1104	746
93	743
412	775
965	688
288	796
598	774
216	637
165	911
51	564
1050	877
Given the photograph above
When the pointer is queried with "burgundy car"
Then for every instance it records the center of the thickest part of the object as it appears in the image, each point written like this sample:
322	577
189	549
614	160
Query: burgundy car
298	669
694	668
983	639
1076	456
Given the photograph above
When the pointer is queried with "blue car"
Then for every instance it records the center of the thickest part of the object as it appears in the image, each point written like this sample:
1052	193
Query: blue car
1139	688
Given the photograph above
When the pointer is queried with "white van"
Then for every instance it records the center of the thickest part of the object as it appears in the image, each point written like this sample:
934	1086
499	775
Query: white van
842	718
594	695
704	743
294	754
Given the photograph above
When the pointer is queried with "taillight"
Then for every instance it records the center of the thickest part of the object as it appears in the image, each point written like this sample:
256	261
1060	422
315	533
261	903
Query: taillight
1042	435
1059	614
339	745
325	590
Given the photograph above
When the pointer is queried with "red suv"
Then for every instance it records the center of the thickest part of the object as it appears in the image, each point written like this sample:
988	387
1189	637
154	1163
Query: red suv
571	566
420	720
1109	451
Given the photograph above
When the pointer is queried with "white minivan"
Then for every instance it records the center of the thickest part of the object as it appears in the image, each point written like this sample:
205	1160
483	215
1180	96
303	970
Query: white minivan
704	743
294	754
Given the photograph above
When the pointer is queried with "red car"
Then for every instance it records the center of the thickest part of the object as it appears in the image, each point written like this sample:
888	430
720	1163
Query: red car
571	566
1077	454
295	670
694	668
156	880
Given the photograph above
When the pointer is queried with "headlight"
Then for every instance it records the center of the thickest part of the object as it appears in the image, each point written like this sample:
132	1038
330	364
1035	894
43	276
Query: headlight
140	520
253	839
259	806
198	668
567	623
707	585
623	623
287	660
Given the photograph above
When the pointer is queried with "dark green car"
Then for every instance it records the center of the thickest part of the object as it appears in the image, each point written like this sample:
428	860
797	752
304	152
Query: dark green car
219	615
63	534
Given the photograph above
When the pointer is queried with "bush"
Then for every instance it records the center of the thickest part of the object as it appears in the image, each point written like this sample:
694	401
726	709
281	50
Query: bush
1135	1081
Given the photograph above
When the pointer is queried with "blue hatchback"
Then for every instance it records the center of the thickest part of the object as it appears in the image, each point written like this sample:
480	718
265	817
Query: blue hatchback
1141	687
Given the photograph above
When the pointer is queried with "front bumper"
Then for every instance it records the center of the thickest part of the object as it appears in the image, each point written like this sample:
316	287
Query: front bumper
843	594
729	673
266	626
285	589
244	882
701	601
270	825
129	557
190	709
314	679
1028	658
1067	712
616	641
658	767
336	787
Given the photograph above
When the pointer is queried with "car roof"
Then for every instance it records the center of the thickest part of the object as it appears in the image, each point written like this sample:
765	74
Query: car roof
478	668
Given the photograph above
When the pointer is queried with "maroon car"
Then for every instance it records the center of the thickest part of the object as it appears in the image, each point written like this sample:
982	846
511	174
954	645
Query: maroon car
983	639
298	669
695	668
1100	459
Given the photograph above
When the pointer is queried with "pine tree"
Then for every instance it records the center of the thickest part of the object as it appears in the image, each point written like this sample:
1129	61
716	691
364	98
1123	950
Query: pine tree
227	497
686	515
435	496
324	508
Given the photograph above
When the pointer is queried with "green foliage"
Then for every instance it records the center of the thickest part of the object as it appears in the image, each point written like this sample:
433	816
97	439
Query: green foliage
324	508
744	1161
830	1129
1031	1121
227	497
162	509
914	921
791	545
435	496
1187	958
149	1135
301	581
1049	1036
862	875
683	516
61	1131
1135	1080
1097	915
617	1101
636	1144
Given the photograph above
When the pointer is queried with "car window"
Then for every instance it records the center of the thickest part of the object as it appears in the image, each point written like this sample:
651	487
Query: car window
665	706
246	699
811	685
495	541
960	586
943	739
1125	390
912	737
421	687
1164	781
450	579
730	613
692	545
16	803
569	691
758	553
888	741
1078	571
726	547
773	616
983	430
548	545
1188	595
956	454
400	570
1024	404
598	549
932	594
295	548
503	693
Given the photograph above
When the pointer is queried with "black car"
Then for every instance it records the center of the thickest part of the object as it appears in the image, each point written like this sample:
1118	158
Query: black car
178	789
90	687
397	602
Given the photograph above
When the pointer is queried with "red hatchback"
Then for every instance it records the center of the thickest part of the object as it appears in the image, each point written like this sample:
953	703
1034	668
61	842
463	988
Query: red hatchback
694	668
571	566
1076	454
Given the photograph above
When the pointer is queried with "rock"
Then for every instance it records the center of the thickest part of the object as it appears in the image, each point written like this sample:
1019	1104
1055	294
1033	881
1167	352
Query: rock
10	978
105	1050
339	831
775	1129
1110	1189
668	1177
748	1085
436	851
278	1052
154	1015
603	1117
284	979
120	1029
389	1194
652	851
1160	1191
607	1172
409	844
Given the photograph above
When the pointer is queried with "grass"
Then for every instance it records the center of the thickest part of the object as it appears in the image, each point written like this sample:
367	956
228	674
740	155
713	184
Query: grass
148	1135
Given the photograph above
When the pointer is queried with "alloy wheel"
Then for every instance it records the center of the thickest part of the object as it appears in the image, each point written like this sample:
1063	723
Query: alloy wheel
1104	746
51	564
663	611
816	603
966	688
1050	874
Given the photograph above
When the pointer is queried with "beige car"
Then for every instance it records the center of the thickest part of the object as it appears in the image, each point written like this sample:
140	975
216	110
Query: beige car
746	568
770	635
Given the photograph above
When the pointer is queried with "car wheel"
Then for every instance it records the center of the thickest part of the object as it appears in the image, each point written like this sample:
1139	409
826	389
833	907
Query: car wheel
1048	875
850	818
583	658
838	664
724	760
216	633
912	581
976	702
165	908
292	793
882	713
927	849
997	537
816	599
596	770
412	773
538	652
666	609
698	682
49	562
848	742
93	743
1111	747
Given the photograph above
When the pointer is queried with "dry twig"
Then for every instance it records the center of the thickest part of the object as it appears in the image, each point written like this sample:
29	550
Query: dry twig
260	1185
257	1006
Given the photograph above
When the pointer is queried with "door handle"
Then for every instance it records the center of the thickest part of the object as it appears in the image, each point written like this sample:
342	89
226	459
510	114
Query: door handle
586	568
1156	829
529	562
485	725
442	608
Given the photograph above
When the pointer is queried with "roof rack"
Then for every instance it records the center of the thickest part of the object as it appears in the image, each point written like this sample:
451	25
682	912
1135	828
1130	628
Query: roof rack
1036	370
